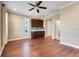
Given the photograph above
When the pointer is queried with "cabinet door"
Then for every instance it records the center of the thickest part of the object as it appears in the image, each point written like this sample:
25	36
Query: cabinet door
36	23
32	34
38	34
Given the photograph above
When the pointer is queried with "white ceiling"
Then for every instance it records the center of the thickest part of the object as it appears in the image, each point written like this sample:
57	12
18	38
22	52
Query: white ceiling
22	7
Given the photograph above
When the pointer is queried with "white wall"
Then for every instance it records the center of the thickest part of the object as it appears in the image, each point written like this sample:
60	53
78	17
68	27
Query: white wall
55	26
58	29
4	25
5	29
48	27
70	25
51	26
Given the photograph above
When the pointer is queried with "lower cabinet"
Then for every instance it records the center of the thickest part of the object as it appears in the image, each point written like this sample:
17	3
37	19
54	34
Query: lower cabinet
37	34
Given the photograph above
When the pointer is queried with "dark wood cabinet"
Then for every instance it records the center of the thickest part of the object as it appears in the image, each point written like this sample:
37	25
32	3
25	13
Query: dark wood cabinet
36	23
38	34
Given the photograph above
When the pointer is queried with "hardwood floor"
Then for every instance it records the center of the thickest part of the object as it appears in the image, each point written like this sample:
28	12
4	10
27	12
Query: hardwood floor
41	47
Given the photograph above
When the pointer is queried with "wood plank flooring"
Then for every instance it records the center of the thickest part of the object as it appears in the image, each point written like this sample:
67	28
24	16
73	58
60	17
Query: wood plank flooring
41	47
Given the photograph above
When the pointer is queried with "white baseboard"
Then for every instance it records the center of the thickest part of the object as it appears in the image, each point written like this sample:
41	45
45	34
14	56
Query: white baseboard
2	49
54	37
22	38
74	46
17	39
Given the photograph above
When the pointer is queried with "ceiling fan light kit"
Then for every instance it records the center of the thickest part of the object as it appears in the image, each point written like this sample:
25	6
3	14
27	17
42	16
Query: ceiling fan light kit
37	6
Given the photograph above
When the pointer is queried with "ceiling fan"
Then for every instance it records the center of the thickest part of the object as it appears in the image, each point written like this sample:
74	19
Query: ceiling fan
37	6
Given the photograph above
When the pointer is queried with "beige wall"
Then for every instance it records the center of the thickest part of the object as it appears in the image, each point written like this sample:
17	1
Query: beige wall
70	25
16	27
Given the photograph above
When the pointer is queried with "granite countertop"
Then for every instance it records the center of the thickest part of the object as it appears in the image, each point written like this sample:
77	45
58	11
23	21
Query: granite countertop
37	29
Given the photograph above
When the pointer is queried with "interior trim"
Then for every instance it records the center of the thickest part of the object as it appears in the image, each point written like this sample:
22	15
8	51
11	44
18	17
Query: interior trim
17	39
68	4
2	49
23	38
74	46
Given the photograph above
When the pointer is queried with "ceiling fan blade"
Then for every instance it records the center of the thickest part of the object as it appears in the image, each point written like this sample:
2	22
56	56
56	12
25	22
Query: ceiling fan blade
38	10
31	4
31	9
39	3
42	7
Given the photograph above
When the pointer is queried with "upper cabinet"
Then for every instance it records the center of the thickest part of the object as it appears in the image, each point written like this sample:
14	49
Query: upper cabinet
37	23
